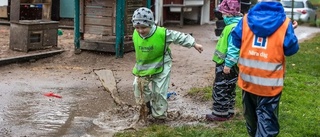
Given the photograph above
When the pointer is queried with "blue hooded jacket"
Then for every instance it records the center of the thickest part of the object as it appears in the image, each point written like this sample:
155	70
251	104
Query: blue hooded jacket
263	20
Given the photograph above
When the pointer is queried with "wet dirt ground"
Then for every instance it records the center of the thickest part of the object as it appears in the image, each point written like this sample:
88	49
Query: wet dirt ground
86	109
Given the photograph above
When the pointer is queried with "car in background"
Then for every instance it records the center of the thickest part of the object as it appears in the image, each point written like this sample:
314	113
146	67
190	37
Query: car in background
302	10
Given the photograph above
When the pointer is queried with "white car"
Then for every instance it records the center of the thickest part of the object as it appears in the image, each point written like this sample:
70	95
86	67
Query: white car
303	10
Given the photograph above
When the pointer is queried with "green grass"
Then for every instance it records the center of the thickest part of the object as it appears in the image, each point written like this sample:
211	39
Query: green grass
300	105
315	2
299	114
204	93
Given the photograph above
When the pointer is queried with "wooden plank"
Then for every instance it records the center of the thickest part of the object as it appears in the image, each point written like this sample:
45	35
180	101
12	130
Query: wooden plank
4	22
15	11
98	46
46	11
3	12
99	11
23	58
114	20
46	1
104	3
99	30
100	21
135	2
97	16
129	29
109	82
105	46
128	46
131	6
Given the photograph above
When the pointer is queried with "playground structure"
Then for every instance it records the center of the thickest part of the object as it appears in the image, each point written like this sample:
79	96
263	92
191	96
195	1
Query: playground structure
104	25
36	34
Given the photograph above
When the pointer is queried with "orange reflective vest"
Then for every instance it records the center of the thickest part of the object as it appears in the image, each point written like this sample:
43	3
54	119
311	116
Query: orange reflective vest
261	61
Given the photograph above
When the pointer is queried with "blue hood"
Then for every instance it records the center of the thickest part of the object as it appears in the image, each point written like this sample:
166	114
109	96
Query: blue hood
265	18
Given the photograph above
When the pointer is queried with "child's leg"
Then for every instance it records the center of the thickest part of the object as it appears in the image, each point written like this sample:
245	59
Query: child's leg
137	92
160	85
267	114
232	81
232	100
249	102
220	94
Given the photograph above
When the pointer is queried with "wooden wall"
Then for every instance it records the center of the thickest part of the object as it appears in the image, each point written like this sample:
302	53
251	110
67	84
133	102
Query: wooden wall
132	5
98	16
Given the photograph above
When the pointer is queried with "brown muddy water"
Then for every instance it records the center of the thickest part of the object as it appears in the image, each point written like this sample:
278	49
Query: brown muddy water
85	109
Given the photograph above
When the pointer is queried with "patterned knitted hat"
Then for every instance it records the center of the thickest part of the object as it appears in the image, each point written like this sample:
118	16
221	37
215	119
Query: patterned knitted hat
142	16
230	7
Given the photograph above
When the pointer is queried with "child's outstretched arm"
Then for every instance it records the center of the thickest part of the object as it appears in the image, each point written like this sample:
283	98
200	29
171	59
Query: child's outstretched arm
198	47
183	39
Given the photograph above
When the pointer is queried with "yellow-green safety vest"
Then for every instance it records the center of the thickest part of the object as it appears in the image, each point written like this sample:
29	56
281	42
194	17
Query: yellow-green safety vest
149	52
222	46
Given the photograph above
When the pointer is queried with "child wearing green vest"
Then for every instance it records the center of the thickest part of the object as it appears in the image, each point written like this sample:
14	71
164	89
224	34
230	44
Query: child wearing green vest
224	86
153	60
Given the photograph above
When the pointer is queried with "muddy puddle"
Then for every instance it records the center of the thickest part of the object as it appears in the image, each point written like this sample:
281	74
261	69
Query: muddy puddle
182	111
85	109
26	111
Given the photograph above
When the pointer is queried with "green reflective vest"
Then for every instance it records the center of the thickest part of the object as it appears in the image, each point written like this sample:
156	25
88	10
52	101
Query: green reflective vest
222	45
149	52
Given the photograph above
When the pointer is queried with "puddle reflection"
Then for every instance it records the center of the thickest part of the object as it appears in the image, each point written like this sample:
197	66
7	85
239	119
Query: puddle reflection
34	113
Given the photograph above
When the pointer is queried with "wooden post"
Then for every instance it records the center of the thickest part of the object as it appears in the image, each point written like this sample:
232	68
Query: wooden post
120	5
46	10
149	4
77	26
15	11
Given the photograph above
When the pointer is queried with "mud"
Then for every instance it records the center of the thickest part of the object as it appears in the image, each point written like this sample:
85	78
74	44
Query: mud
86	108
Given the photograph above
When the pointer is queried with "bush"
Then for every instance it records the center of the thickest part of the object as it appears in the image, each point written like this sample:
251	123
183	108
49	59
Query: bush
318	23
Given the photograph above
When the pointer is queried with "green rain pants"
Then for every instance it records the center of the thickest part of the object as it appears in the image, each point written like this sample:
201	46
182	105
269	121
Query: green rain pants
155	91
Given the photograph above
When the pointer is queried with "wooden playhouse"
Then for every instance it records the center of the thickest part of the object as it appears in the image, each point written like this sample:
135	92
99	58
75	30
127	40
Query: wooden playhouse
105	25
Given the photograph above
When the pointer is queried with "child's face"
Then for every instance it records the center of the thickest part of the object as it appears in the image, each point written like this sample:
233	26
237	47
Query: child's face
226	15
143	30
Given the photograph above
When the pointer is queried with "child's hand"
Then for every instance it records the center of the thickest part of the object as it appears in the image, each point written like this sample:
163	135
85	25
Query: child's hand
198	47
226	70
294	24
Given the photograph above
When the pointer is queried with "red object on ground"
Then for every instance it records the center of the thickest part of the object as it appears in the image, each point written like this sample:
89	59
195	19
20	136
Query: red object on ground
51	94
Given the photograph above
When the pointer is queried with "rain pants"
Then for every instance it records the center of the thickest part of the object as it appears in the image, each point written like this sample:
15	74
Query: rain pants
261	114
224	91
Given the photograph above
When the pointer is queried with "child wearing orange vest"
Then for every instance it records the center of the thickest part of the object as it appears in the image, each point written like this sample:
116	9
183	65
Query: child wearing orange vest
264	36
